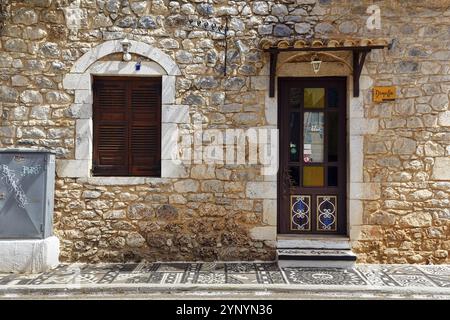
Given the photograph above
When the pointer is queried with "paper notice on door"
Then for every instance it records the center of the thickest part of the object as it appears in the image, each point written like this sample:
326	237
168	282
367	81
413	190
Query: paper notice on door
307	146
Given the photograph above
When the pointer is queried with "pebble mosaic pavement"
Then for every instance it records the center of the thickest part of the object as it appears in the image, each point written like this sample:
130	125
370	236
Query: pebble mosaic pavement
437	276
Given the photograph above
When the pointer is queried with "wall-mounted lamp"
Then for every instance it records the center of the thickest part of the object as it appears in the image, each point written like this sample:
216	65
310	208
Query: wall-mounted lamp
126	44
316	63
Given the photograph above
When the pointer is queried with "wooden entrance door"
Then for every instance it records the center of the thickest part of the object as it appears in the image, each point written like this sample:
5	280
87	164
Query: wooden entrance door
312	175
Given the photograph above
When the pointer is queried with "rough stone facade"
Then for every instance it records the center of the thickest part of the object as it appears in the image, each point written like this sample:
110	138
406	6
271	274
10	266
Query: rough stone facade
399	209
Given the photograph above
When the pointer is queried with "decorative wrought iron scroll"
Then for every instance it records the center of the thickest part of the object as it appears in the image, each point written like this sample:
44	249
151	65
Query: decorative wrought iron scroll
326	213
300	213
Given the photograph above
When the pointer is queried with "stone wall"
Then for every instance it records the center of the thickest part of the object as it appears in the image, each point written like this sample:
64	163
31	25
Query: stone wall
229	212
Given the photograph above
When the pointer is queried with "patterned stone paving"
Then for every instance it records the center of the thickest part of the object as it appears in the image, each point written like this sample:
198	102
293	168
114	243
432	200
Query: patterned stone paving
235	273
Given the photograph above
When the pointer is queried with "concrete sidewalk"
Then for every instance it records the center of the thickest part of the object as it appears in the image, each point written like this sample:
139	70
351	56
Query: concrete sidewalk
231	280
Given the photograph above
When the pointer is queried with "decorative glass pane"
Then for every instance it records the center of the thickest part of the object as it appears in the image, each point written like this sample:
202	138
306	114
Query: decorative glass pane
313	137
313	176
333	136
333	98
332	176
294	142
326	213
301	213
294	176
295	96
314	98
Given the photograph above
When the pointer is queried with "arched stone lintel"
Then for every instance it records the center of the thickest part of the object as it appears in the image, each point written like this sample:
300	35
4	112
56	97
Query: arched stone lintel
82	81
114	46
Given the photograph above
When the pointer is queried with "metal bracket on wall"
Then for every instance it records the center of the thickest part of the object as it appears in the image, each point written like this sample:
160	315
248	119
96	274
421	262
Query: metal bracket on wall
219	29
359	57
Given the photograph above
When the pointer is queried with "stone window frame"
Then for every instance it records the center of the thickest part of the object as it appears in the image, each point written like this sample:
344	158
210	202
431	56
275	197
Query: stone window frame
358	126
80	81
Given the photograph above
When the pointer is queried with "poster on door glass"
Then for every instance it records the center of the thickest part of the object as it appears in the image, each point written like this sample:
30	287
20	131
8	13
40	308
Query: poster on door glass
313	137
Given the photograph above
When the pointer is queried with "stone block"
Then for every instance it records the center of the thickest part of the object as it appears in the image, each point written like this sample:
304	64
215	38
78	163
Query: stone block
168	90
271	110
270	212
440	102
356	158
169	139
72	168
416	220
372	233
56	97
173	169
260	8
444	119
356	212
212	186
83	96
264	233
187	185
8	94
175	114
404	146
135	240
80	111
356	109
115	214
29	256
441	169
302	28
261	190
204	171
84	139
19	81
355	233
365	191
259	82
365	82
363	126
77	81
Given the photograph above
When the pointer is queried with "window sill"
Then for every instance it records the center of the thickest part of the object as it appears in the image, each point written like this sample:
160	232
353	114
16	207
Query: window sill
118	181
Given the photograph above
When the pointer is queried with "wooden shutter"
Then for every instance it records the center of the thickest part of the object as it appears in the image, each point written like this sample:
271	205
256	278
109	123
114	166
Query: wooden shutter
127	125
145	126
110	128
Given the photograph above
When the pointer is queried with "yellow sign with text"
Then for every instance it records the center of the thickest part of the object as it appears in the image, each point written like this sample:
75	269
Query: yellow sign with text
381	94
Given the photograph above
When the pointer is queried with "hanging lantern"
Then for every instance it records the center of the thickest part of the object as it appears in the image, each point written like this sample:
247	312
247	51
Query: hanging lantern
316	63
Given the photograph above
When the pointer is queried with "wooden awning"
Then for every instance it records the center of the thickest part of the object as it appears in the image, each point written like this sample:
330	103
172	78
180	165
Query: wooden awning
359	47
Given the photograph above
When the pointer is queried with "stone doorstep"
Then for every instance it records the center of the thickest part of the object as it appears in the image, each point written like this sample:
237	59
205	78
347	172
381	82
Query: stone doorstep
333	258
313	242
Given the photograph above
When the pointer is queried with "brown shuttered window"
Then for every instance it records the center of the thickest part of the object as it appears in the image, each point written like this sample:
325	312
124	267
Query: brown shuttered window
127	126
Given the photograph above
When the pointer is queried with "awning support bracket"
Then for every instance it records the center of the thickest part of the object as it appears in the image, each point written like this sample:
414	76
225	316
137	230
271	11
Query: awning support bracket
359	57
273	72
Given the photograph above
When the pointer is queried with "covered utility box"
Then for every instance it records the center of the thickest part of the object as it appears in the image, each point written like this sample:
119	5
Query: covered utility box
27	180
